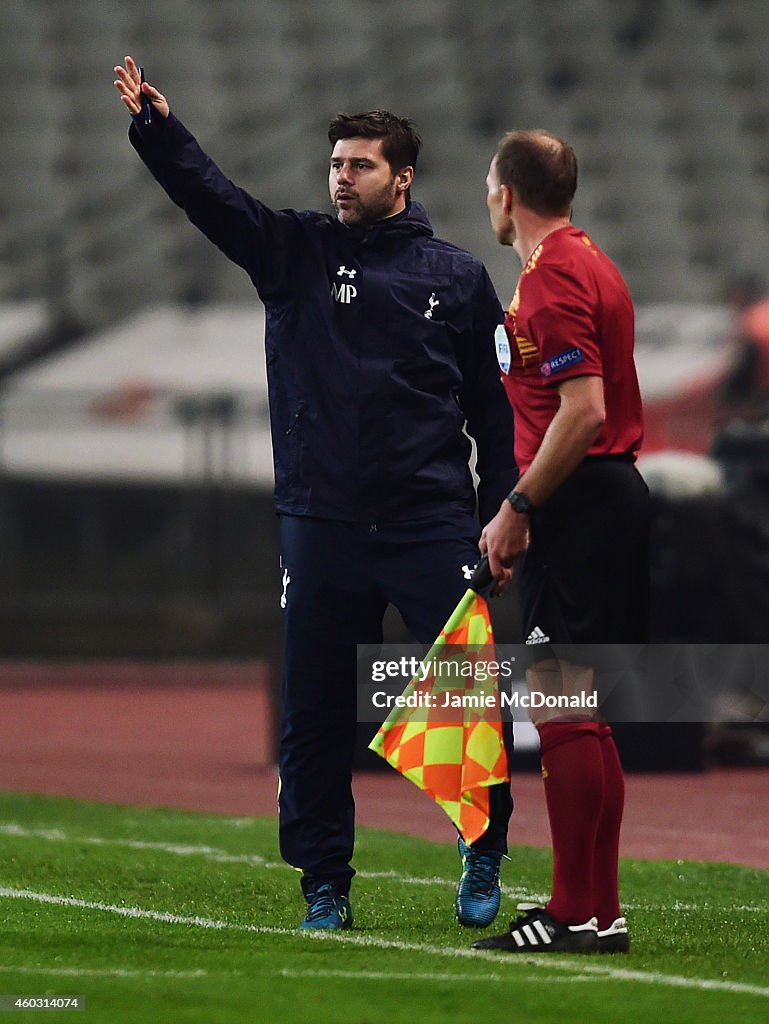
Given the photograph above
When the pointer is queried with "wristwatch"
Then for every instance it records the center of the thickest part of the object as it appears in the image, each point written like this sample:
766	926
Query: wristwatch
520	503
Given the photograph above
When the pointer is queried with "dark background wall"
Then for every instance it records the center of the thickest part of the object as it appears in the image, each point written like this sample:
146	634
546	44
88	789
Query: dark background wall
153	572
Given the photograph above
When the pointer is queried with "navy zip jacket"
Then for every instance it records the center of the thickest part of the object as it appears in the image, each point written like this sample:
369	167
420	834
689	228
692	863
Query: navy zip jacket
380	348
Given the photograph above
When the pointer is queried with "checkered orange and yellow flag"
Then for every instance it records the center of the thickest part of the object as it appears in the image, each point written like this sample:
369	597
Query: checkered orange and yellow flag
450	743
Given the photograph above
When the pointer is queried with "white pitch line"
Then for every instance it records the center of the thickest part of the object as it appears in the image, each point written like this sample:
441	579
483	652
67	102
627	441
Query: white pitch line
106	972
137	912
15	830
388	976
55	835
212	853
549	961
515	892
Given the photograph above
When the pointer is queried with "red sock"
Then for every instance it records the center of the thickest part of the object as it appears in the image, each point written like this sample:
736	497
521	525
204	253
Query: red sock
605	864
572	767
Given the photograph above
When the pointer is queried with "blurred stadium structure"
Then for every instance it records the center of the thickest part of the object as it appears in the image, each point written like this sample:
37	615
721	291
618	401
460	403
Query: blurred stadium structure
134	454
666	102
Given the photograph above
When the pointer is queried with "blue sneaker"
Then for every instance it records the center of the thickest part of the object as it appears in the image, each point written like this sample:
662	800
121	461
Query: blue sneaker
327	909
478	892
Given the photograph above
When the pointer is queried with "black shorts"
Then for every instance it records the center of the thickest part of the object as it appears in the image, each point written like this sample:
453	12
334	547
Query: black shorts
585	576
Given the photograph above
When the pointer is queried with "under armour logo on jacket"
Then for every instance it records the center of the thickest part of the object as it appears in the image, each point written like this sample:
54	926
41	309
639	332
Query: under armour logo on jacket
344	292
433	303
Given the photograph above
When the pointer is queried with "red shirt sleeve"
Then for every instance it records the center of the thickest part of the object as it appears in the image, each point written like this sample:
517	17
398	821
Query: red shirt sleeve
561	307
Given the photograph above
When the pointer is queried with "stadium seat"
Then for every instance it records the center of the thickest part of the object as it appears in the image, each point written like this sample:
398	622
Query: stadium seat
666	104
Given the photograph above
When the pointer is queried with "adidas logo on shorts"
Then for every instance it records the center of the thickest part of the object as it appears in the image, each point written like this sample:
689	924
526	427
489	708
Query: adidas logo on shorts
537	637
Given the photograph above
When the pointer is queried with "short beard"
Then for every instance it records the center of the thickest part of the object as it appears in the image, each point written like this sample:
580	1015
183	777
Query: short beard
377	207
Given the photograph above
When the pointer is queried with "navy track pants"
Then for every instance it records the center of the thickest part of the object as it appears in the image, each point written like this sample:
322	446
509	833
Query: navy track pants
338	579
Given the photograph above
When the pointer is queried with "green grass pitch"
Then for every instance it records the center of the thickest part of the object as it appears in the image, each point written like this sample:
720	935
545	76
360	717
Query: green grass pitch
158	915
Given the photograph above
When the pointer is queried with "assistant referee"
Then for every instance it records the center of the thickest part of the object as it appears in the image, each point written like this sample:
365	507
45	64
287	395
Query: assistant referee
576	525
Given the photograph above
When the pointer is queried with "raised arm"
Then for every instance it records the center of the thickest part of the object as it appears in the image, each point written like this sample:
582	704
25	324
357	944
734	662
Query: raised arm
129	84
262	241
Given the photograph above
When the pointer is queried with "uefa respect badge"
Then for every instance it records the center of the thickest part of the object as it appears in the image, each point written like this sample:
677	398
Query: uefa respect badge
562	361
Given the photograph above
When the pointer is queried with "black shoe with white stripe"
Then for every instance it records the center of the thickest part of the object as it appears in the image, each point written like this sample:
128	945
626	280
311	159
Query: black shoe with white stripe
615	938
536	932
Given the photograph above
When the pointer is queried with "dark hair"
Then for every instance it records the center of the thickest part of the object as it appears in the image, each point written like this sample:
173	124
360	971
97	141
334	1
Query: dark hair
400	142
541	168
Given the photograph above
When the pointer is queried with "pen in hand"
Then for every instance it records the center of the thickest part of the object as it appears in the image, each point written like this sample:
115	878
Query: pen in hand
146	105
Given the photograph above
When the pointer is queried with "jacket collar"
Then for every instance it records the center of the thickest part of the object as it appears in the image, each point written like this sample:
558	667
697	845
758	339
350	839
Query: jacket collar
411	221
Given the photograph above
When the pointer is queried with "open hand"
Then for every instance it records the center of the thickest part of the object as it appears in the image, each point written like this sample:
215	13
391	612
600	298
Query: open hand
129	84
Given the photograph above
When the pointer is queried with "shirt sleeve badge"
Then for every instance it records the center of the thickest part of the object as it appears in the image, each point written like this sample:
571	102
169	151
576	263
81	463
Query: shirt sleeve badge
561	362
503	348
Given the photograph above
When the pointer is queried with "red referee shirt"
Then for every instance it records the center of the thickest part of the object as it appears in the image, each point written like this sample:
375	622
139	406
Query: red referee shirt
571	316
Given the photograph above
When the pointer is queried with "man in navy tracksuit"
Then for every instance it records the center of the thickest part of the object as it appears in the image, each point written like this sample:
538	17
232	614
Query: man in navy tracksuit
380	348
